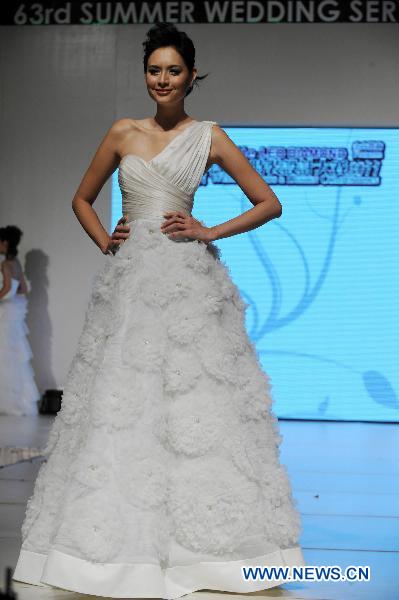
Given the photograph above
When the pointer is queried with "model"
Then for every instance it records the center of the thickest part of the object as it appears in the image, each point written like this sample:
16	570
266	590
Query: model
163	474
18	391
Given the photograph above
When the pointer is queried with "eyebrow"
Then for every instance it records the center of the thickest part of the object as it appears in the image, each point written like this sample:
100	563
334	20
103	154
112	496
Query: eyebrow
168	65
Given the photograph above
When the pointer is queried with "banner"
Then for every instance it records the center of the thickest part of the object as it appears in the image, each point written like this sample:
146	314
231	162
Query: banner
210	12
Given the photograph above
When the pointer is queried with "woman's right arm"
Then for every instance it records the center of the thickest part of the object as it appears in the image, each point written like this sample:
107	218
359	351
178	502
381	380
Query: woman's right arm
103	164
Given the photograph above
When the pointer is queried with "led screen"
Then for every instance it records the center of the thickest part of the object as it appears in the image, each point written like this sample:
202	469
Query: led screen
321	281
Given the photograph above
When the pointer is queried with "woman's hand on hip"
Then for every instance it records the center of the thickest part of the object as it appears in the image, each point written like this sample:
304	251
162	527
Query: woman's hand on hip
178	225
119	235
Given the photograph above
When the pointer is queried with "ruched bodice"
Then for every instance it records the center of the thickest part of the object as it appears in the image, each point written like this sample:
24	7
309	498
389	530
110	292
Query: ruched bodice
169	180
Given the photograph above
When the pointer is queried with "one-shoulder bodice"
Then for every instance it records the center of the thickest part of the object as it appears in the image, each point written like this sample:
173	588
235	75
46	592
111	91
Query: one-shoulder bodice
169	180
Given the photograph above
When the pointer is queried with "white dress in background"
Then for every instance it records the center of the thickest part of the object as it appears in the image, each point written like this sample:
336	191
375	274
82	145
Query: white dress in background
162	474
18	390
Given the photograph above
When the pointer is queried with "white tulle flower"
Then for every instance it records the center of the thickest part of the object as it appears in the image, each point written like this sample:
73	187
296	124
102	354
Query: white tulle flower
274	482
77	390
195	423
162	289
211	505
103	285
255	449
93	467
195	259
229	288
90	343
237	338
221	367
185	328
286	526
145	235
281	522
252	390
33	507
142	481
144	345
104	314
79	377
118	402
93	524
181	370
213	302
253	402
217	357
43	506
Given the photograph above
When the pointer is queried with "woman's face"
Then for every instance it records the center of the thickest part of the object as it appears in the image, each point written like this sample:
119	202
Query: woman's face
166	70
3	246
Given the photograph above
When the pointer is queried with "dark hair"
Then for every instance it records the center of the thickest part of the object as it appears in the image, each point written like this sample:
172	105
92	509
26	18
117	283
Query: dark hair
165	34
12	234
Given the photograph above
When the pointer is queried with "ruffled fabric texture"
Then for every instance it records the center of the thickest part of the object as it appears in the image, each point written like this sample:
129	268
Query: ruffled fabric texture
18	390
165	450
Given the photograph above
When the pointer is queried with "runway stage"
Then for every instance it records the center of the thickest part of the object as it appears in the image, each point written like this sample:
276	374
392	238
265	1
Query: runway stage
345	478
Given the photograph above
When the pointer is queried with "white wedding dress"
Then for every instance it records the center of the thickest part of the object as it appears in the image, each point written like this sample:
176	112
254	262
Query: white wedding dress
18	390
162	474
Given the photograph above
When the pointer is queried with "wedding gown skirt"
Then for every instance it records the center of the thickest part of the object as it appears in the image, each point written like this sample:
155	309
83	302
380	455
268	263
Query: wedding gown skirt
18	391
162	474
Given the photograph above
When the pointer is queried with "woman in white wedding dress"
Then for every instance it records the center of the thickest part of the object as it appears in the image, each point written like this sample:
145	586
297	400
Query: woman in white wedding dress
163	474
18	390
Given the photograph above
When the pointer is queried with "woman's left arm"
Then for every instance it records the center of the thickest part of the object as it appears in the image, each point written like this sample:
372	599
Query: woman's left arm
5	269
266	204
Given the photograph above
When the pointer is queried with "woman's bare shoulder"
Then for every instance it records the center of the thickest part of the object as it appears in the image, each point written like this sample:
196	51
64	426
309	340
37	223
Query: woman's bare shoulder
123	125
120	130
128	124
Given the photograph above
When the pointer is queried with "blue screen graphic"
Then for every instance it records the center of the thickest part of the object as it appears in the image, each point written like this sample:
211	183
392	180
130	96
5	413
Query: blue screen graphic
321	281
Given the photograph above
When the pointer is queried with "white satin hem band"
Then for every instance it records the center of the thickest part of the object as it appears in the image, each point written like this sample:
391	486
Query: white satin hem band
146	580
